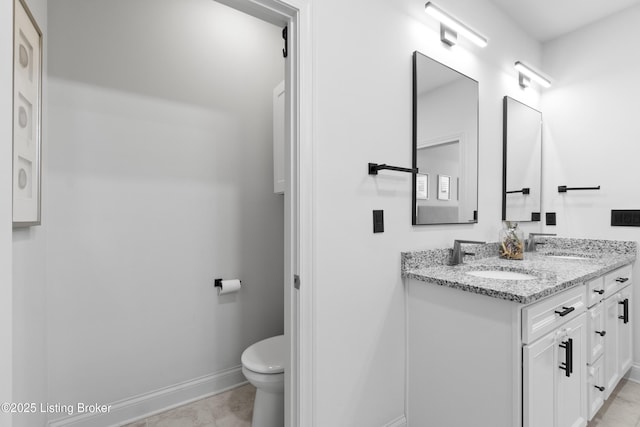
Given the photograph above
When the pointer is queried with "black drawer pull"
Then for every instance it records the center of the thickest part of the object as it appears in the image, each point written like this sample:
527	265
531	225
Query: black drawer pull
599	291
625	310
599	387
622	279
565	311
567	365
601	333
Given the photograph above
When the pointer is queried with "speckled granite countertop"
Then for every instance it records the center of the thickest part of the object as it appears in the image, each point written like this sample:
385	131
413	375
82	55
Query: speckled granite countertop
597	257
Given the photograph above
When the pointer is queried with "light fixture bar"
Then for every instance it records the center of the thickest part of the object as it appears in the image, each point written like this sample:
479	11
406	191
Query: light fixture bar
529	72
455	25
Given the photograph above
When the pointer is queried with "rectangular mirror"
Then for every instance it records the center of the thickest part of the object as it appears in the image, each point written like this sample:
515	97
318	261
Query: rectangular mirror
445	144
522	162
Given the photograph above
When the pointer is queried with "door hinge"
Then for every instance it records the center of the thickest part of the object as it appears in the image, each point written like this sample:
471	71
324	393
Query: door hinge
296	281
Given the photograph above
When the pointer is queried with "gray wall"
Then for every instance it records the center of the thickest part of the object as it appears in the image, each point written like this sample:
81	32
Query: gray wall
29	284
591	133
159	181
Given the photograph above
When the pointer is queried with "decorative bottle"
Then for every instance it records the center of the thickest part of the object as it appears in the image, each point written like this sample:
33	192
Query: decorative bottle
511	241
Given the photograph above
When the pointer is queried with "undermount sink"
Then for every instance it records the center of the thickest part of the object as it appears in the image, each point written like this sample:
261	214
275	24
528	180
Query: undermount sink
501	275
567	257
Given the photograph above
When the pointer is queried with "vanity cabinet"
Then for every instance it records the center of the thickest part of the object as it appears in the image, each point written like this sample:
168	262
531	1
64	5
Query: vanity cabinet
554	365
477	360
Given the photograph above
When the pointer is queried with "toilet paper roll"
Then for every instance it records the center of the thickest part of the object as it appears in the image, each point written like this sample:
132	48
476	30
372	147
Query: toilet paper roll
228	286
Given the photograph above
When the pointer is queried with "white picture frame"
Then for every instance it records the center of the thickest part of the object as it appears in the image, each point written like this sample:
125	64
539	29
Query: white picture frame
27	117
444	187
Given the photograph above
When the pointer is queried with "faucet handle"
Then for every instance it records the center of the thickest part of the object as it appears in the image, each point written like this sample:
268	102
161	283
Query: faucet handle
457	254
531	242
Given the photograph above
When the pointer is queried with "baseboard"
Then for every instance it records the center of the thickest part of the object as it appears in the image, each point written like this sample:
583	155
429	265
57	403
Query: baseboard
147	404
634	373
401	421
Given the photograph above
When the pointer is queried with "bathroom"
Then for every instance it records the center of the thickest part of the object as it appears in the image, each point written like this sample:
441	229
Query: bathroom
360	112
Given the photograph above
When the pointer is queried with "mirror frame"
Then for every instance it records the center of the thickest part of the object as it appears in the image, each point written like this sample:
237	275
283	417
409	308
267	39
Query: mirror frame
414	201
505	124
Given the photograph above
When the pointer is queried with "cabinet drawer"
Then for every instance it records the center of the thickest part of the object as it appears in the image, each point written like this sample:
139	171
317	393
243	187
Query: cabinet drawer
595	291
595	385
550	313
617	280
595	333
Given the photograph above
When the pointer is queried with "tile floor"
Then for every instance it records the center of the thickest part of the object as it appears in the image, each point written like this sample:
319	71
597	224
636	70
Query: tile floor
622	409
233	408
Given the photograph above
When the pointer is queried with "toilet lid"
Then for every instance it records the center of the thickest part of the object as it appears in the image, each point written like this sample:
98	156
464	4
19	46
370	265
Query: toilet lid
266	356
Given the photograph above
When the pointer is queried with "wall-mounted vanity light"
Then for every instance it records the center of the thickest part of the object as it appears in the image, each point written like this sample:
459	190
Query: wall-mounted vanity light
526	73
450	27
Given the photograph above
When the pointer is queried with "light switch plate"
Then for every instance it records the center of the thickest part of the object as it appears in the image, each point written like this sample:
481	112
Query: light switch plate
378	221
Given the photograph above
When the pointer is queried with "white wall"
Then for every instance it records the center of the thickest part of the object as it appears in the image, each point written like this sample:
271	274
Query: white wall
160	180
29	290
6	250
592	130
363	104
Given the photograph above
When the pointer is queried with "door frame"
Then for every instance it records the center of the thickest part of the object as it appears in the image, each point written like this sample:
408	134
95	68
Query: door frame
298	211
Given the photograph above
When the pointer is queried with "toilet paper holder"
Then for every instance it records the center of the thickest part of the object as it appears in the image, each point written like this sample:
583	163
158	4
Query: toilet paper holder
218	282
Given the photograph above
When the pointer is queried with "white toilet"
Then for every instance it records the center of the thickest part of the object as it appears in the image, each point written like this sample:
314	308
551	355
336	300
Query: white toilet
263	366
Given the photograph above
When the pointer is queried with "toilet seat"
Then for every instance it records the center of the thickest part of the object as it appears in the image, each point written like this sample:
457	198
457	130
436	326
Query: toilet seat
266	356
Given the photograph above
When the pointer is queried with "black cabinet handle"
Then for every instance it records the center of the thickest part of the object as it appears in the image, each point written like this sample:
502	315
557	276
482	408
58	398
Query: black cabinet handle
599	387
567	365
565	311
625	310
599	291
622	279
601	333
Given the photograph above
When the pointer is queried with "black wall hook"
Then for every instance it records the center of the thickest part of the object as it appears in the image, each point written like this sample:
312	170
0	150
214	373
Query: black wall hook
373	168
285	36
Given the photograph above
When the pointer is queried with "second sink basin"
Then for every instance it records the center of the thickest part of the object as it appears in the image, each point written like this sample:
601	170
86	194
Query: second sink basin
501	275
568	257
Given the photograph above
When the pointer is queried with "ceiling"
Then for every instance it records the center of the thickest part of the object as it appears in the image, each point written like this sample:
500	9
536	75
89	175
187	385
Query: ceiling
545	20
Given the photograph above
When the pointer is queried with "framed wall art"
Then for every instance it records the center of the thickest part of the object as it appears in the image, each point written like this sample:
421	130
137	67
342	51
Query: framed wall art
444	187
27	117
422	186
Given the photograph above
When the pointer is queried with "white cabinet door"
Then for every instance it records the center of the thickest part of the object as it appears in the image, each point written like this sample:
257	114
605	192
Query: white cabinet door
571	403
278	138
611	372
554	378
625	348
539	383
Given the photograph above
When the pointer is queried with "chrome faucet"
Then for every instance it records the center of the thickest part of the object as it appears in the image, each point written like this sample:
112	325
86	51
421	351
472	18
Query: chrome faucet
531	241
457	254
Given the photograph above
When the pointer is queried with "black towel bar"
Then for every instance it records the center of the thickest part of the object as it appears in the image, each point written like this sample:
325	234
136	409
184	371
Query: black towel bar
564	188
373	168
523	191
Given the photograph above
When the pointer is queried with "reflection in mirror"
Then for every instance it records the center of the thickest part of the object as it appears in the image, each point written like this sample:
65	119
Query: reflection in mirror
445	144
522	162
